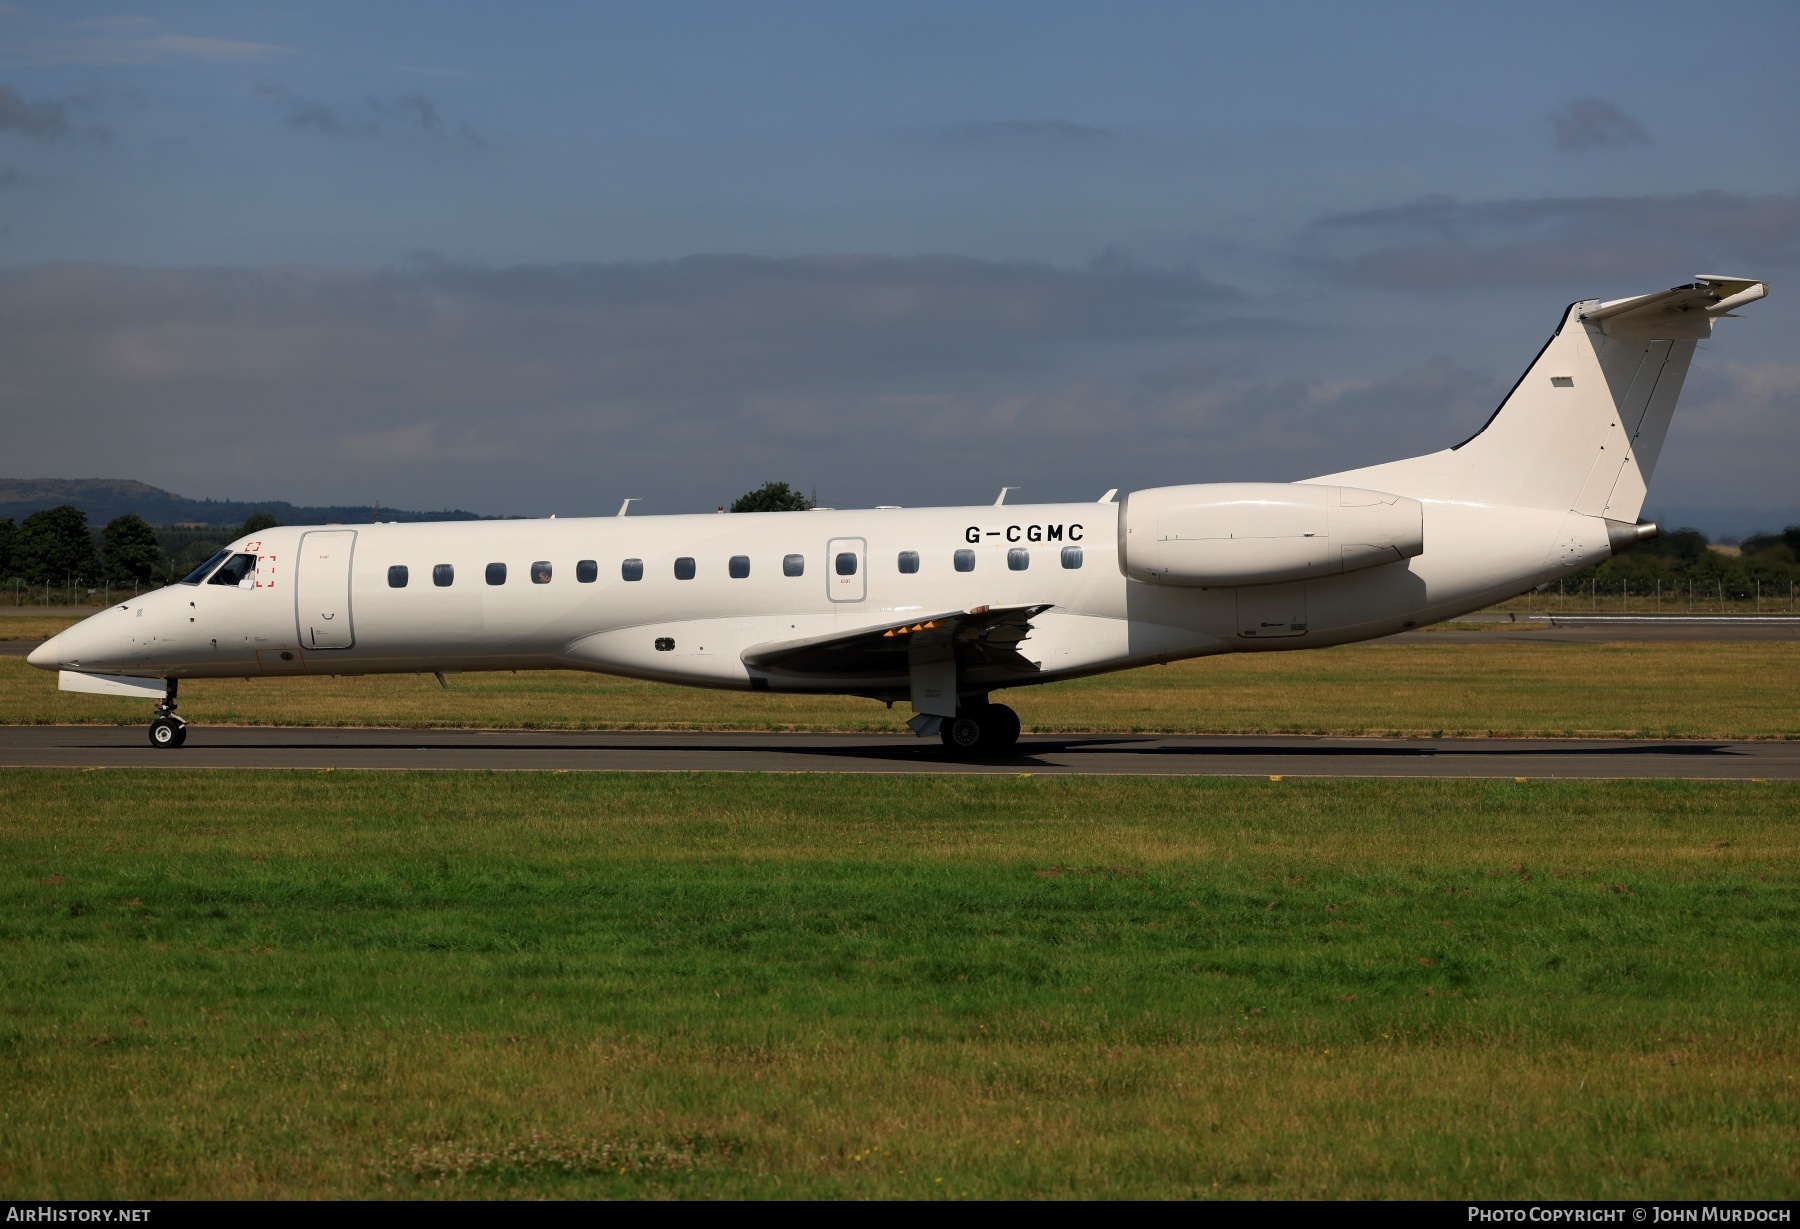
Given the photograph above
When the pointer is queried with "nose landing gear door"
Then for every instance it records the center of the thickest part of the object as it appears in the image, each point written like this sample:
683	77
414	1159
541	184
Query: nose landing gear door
322	590
847	569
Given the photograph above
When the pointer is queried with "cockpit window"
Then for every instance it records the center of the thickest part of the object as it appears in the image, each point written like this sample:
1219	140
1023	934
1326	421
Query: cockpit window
239	570
199	574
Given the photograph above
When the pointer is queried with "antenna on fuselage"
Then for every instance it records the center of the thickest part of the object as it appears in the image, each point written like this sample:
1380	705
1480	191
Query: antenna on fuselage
626	506
1108	497
1004	492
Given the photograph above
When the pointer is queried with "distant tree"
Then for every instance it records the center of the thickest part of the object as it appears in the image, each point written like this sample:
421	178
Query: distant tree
130	550
256	524
772	497
190	556
8	534
1683	543
54	545
1756	544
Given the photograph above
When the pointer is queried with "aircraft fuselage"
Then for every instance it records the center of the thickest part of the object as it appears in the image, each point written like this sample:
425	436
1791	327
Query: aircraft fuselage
512	595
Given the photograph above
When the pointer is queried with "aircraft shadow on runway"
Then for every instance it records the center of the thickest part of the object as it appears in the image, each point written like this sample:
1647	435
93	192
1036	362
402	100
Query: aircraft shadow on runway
1030	752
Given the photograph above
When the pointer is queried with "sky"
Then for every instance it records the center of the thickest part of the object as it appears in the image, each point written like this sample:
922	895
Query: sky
535	258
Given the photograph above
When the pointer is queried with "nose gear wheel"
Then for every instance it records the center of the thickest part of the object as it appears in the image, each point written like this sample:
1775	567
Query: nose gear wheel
168	730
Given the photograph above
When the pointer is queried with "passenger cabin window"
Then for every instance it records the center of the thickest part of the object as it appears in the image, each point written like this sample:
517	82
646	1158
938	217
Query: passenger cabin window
845	563
540	572
965	560
684	568
909	561
740	567
587	571
199	574
793	565
397	576
443	575
1071	557
1018	558
496	573
239	570
632	569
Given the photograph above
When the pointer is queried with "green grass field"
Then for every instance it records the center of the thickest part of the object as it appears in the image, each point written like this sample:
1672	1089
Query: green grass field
1458	688
33	627
320	984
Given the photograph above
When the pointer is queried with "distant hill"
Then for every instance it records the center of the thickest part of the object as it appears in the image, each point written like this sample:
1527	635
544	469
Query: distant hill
105	498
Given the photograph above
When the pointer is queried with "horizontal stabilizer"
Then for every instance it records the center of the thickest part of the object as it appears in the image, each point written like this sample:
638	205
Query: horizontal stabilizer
1708	294
985	636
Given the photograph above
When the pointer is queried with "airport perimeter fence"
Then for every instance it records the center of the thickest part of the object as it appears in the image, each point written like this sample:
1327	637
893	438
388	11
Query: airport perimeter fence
74	591
1672	595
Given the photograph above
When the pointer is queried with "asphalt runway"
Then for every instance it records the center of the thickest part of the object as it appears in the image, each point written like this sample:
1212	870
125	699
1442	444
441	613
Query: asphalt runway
1120	755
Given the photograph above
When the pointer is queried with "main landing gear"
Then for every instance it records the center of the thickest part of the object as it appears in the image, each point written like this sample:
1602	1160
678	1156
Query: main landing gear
168	730
981	730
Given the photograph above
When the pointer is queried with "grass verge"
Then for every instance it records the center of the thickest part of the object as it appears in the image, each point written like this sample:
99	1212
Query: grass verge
329	984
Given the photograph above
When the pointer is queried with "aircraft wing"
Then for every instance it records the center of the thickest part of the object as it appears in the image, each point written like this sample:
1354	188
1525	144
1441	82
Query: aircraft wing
984	636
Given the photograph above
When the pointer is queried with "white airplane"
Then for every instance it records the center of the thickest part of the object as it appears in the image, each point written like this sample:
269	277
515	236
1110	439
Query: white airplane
942	607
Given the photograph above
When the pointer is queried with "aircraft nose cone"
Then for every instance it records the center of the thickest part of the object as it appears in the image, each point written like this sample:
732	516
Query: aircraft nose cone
47	656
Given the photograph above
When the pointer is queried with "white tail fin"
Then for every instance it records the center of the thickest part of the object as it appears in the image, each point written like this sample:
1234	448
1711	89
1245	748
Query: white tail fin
1582	429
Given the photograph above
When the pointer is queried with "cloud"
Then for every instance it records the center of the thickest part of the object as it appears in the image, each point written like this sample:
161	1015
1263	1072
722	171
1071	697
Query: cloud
562	388
1254	425
1581	244
371	117
203	48
551	387
1587	123
418	108
1024	137
1013	130
1730	444
46	120
134	40
318	116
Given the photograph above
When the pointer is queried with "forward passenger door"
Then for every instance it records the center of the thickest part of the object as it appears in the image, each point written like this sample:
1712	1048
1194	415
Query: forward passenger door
322	590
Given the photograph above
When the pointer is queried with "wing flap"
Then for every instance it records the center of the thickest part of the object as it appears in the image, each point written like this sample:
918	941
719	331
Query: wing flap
984	636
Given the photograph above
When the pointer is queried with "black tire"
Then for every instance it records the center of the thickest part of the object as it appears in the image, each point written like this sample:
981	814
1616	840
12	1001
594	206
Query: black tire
963	734
166	732
1000	730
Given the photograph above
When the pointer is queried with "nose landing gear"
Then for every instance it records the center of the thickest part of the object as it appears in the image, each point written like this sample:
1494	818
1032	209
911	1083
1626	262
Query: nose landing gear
168	730
981	730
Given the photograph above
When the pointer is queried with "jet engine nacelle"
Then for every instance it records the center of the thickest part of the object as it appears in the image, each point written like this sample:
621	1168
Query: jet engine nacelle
1228	534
